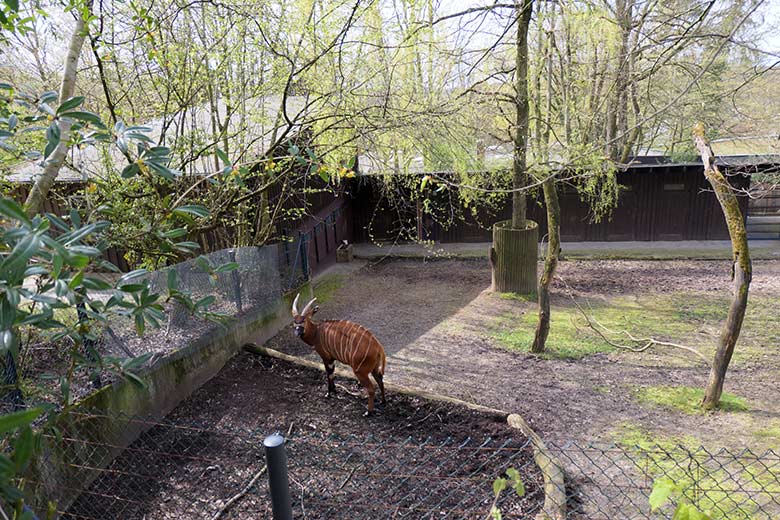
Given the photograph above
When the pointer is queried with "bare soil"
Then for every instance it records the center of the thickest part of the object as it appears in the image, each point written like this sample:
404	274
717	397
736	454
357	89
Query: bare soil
434	319
414	458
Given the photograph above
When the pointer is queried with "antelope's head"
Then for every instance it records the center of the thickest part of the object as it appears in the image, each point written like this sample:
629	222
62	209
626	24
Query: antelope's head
300	319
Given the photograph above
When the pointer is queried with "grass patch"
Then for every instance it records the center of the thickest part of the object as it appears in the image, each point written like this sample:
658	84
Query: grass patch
517	297
667	317
712	481
327	286
772	432
686	399
568	339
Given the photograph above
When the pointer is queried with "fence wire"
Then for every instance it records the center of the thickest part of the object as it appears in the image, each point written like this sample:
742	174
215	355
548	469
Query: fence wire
210	471
255	286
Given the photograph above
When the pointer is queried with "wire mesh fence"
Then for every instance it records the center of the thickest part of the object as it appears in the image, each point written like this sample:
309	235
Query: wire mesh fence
252	288
207	470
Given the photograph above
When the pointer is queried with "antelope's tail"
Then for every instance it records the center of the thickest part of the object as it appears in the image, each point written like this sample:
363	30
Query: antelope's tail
384	360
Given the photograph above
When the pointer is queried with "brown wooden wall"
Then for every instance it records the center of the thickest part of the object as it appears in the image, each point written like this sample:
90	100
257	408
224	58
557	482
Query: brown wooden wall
657	202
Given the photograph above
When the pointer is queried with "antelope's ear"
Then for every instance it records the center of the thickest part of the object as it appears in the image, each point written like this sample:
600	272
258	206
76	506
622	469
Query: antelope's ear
315	309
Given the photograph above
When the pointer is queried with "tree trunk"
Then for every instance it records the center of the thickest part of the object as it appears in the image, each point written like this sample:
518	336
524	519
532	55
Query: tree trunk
520	175
741	271
515	247
550	263
54	162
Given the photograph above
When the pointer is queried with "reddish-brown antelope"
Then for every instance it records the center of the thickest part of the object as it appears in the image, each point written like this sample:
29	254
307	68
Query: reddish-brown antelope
339	340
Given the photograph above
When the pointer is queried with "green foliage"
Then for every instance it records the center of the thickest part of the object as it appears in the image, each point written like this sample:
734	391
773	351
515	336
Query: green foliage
683	470
770	432
664	489
513	481
686	399
46	266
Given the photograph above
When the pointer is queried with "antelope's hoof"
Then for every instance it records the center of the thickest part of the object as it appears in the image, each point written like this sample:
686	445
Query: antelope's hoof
368	413
328	394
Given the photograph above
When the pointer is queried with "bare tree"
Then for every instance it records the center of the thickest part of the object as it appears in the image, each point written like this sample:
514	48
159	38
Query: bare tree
742	270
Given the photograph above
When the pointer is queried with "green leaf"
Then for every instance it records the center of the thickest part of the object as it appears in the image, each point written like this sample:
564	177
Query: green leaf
23	449
173	279
14	265
223	157
9	208
324	175
16	420
96	284
52	138
140	326
519	488
131	275
137	381
131	170
662	489
499	485
88	117
226	268
192	209
69	104
495	513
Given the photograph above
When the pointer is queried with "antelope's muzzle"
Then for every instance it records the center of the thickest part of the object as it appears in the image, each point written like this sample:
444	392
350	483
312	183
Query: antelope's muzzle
299	331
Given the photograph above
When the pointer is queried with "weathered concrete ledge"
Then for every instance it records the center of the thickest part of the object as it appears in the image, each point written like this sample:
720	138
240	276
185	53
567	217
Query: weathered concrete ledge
554	507
102	425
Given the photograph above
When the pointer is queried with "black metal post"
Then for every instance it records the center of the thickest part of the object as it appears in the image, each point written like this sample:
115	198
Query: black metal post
276	459
236	279
304	249
11	380
89	344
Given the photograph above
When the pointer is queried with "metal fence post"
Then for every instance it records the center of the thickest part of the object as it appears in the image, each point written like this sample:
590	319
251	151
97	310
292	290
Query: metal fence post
304	249
11	379
236	279
276	459
89	344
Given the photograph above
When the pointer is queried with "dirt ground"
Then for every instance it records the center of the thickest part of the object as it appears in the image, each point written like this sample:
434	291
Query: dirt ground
434	320
414	459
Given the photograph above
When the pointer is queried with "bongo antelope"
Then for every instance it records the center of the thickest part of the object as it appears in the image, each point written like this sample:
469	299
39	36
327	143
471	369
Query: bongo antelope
339	340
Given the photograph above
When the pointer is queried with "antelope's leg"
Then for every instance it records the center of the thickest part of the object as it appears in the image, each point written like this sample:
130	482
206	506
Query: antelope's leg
330	368
379	378
366	382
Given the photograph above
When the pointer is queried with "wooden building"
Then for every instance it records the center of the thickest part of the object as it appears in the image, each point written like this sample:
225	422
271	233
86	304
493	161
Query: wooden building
658	201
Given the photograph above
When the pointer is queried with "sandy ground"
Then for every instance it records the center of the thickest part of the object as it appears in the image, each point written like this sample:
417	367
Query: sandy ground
434	320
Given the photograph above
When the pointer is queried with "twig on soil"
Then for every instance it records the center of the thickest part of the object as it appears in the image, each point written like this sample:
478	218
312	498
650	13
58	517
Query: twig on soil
347	390
347	479
240	494
643	343
290	429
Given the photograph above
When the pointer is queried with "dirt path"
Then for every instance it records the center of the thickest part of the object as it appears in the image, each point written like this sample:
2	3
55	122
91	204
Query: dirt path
435	320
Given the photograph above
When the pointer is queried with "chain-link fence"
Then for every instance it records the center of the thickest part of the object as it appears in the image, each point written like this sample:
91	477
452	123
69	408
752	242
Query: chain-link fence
252	289
204	470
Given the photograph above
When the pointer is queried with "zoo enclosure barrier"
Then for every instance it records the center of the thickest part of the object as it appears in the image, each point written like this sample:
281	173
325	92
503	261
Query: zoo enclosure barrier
201	468
254	288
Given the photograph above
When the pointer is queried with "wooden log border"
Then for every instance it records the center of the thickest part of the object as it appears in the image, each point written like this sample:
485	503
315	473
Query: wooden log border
554	507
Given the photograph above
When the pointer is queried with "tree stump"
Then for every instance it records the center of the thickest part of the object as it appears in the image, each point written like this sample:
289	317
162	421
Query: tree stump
513	257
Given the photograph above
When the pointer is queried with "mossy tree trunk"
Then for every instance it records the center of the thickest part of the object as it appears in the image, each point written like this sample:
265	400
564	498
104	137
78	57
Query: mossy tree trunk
523	10
742	271
54	162
550	263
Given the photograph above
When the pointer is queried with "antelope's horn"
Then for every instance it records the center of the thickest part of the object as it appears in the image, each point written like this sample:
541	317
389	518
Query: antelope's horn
295	305
308	306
